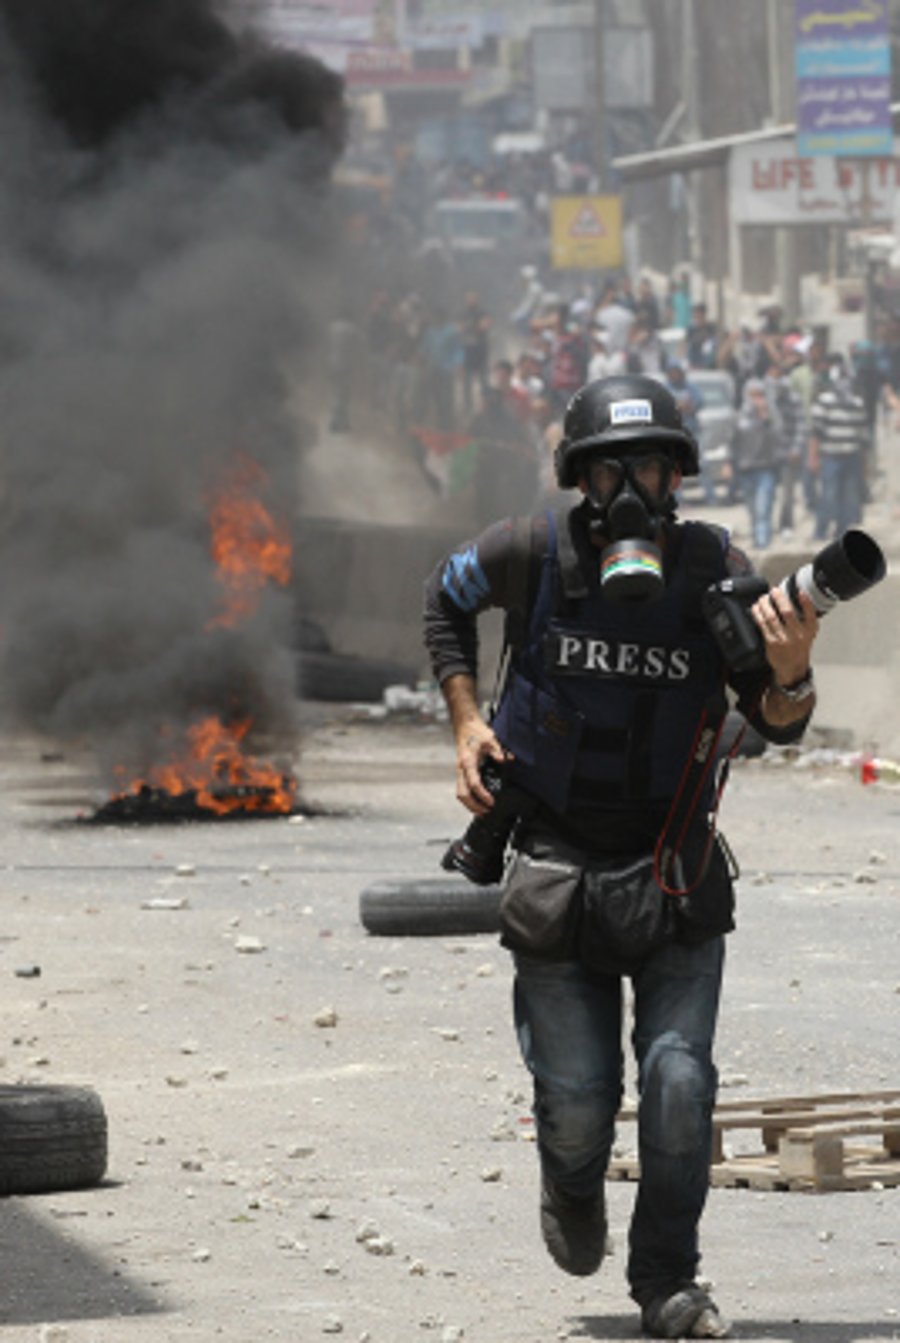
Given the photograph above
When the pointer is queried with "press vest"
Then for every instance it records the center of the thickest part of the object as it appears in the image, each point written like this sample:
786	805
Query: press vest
603	700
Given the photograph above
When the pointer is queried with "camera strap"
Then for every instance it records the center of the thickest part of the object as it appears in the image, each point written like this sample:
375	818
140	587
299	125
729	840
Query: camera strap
705	561
527	548
703	760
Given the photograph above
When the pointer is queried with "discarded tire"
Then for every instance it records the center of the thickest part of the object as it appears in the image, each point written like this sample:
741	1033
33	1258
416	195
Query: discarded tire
310	637
51	1137
344	678
428	908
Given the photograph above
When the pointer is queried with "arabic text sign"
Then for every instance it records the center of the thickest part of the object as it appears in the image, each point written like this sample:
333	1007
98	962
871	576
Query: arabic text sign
771	184
443	32
843	69
324	20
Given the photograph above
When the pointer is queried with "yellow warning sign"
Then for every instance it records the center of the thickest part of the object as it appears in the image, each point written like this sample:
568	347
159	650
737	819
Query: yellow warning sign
586	232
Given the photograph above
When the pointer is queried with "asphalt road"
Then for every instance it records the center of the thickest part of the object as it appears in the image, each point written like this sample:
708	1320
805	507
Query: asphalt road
318	1132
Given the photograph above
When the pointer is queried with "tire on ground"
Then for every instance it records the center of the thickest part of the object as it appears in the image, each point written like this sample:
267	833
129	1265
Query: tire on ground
51	1138
435	906
344	678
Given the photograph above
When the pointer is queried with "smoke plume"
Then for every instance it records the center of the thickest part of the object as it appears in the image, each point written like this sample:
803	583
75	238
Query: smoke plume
163	233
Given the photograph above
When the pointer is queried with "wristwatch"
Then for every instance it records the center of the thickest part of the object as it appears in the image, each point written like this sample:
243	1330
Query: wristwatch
797	690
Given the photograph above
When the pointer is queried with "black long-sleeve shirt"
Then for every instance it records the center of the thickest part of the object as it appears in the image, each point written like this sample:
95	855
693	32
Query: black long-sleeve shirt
482	573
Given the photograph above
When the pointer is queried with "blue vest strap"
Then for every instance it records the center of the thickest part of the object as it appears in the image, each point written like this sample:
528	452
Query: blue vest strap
573	584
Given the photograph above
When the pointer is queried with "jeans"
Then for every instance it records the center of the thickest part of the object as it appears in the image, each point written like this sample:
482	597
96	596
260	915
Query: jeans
707	484
758	489
474	375
569	1027
840	498
790	475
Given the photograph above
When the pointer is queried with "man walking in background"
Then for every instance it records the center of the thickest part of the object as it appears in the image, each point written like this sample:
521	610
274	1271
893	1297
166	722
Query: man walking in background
474	327
756	445
839	439
787	407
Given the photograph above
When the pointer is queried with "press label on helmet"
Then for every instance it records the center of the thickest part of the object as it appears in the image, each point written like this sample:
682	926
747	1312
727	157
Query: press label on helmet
631	412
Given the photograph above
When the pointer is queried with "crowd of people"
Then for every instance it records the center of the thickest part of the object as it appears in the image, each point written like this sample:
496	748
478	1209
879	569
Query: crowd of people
482	419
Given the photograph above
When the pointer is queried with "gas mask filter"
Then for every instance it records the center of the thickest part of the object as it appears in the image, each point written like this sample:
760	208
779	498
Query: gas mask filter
629	498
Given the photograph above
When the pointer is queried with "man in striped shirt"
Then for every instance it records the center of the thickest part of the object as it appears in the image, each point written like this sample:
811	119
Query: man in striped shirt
793	437
839	439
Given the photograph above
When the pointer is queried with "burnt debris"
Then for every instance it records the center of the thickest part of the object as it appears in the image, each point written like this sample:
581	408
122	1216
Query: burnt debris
148	805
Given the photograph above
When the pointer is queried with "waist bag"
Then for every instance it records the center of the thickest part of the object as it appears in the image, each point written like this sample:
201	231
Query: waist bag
624	915
610	915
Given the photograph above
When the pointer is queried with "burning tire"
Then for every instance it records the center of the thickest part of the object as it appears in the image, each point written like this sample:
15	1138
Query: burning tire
433	907
51	1138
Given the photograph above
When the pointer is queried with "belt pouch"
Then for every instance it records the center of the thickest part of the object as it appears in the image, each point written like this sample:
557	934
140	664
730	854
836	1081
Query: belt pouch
538	907
625	917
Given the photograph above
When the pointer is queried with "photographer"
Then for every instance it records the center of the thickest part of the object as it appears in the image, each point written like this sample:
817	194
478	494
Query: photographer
600	746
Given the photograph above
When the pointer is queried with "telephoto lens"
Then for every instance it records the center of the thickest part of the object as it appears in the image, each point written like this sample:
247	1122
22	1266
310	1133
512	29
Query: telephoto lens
848	566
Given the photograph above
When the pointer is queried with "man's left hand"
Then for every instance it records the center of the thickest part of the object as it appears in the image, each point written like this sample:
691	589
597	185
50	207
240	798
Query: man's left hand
788	634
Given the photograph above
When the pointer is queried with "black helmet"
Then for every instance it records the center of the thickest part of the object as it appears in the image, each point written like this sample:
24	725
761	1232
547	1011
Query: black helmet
619	413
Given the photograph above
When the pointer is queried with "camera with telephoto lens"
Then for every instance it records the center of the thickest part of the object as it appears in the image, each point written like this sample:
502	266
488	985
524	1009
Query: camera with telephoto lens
846	568
480	853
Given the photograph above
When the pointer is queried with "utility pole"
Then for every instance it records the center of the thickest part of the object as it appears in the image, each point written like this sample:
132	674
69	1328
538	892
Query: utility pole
690	73
600	145
780	41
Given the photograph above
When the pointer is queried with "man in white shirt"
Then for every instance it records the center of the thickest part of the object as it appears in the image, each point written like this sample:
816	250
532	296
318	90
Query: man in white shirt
604	362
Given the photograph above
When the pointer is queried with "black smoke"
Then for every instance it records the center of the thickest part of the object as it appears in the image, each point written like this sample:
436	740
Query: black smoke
164	256
102	65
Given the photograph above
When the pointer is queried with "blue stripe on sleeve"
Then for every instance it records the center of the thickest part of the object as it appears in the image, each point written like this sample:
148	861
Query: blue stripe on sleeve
464	581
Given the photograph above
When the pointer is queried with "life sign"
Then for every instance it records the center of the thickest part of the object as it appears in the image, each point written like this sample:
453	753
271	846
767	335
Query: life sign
769	183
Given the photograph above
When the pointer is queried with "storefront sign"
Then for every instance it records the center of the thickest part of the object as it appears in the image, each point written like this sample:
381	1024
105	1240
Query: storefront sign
443	33
771	184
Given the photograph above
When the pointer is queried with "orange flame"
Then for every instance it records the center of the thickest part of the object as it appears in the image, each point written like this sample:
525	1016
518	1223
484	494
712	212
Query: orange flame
214	767
249	547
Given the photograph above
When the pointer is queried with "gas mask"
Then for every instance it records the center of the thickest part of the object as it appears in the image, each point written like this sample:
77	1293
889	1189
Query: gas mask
630	499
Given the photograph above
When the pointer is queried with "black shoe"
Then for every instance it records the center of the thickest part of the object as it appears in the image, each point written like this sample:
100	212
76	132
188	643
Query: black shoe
574	1229
688	1312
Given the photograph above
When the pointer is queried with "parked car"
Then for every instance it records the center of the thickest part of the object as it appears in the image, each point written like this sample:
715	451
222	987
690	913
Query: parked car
718	423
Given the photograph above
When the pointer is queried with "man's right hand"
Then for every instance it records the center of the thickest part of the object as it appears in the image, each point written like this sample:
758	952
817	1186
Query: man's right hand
475	741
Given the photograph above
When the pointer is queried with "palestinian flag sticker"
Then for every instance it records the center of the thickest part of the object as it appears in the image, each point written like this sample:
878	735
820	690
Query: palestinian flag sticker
631	571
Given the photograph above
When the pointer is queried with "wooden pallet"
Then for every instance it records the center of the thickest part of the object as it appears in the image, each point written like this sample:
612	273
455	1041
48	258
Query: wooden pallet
805	1143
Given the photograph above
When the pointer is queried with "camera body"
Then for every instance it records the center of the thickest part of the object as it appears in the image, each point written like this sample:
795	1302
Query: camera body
480	854
726	606
847	567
